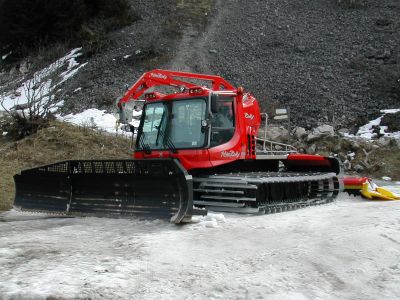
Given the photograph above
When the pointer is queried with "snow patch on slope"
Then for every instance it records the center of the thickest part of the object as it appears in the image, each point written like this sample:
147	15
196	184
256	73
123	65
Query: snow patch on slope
48	80
367	131
4	57
45	82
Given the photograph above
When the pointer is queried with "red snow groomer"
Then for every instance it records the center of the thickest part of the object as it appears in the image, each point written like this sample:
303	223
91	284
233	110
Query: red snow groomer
198	146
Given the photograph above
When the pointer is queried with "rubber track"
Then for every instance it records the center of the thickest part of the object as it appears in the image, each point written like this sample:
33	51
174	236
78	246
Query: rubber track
270	192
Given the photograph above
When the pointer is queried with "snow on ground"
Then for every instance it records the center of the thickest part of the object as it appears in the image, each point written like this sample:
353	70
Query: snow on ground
99	119
93	118
349	249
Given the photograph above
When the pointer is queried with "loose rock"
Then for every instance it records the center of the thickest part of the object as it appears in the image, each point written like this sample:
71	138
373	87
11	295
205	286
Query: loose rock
319	132
299	133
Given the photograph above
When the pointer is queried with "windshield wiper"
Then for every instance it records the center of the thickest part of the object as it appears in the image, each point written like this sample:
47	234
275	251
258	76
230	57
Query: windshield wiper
158	127
171	145
168	142
145	147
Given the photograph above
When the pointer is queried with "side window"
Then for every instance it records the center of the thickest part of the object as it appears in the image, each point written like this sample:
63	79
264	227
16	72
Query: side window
151	127
223	122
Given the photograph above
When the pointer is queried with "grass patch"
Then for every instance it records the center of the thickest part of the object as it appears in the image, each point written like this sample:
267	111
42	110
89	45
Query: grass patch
189	12
388	162
59	141
377	161
194	8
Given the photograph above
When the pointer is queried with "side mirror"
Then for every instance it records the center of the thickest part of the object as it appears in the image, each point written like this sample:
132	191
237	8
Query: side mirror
125	116
214	99
124	111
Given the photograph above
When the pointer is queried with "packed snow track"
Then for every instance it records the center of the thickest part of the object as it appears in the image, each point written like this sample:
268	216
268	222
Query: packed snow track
348	249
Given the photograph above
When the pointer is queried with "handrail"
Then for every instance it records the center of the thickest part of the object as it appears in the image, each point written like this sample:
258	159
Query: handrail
287	148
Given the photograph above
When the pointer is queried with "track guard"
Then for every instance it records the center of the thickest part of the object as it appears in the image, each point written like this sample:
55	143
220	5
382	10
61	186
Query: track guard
159	188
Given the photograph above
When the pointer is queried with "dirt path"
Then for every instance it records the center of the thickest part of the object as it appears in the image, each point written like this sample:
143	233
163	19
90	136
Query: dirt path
193	50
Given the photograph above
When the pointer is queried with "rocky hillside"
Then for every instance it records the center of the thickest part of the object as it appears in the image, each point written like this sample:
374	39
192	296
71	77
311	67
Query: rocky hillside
329	61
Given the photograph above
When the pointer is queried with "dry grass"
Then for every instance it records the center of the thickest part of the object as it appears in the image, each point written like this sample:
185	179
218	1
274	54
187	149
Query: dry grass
377	161
195	8
59	141
193	12
388	161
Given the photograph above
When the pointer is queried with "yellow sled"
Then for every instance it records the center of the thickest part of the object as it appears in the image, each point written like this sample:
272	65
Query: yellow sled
368	189
371	191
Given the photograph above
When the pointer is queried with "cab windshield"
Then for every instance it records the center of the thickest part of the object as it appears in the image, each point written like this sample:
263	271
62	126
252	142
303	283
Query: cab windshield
173	124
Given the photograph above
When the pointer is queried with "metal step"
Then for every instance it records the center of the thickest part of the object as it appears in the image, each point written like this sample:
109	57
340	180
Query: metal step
227	198
223	191
224	185
215	203
239	210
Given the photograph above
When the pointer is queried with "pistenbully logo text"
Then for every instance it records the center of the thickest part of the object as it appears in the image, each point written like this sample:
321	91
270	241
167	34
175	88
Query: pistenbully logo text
230	154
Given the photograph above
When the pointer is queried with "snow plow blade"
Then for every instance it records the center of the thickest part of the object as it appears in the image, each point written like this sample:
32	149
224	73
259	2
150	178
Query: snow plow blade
155	188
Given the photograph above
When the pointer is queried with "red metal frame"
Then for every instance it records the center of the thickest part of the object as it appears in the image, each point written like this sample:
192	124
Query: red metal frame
160	77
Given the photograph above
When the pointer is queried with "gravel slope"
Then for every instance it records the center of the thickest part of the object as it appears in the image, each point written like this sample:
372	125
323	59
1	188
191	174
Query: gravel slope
323	61
327	63
126	54
345	250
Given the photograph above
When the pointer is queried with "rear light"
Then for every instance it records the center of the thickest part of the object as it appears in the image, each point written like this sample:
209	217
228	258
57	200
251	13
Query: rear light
196	91
149	96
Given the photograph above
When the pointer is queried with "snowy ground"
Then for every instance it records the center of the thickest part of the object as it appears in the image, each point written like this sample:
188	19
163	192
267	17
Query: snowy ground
349	249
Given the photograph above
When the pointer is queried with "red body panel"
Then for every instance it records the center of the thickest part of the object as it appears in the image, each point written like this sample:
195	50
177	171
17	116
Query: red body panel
190	159
308	159
352	183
